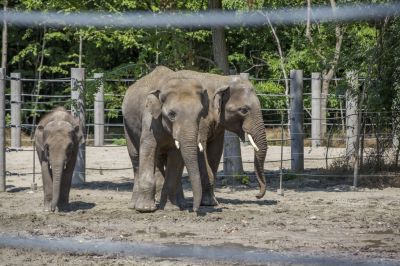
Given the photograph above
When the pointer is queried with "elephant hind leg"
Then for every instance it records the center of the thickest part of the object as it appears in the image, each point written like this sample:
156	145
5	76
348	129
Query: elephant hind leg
210	162
134	156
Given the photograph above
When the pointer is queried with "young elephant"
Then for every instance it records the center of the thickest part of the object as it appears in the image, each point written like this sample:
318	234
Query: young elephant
161	119
57	138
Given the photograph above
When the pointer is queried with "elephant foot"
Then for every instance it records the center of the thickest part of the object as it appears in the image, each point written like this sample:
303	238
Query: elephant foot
169	206
47	207
208	199
64	207
131	204
143	205
158	197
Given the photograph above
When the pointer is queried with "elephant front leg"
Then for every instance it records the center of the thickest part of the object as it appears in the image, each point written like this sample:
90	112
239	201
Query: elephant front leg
47	186
212	156
169	194
146	183
160	175
63	203
134	155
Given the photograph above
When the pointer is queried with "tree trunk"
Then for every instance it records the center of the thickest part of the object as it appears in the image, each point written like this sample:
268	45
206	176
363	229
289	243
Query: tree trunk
39	80
232	153
219	43
282	65
4	39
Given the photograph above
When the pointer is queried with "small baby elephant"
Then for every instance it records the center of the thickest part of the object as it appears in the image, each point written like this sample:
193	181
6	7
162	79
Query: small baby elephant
57	137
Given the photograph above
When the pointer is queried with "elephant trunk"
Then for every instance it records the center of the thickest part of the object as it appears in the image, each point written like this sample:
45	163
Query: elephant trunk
57	172
190	157
254	126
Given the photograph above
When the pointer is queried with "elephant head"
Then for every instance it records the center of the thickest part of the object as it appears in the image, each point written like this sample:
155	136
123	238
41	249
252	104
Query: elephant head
239	111
60	141
180	103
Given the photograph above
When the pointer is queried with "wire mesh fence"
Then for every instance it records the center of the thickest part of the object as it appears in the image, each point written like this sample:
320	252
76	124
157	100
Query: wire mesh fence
323	155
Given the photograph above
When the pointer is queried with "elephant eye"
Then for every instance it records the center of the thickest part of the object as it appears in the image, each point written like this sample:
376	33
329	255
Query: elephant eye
244	110
171	115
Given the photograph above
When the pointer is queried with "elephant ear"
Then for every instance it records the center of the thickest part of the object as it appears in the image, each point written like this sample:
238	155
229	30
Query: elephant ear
39	137
205	102
153	103
218	97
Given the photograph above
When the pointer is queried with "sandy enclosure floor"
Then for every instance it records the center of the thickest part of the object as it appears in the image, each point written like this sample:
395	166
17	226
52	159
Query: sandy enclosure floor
314	216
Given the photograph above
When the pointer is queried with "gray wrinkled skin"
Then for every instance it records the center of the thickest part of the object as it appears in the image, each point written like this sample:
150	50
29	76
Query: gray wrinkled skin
57	139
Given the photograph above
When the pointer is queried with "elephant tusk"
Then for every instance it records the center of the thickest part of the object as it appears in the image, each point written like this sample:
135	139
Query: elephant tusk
253	143
201	147
177	144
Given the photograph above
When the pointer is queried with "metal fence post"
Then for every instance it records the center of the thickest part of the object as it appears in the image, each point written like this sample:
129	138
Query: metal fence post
316	109
297	118
2	130
16	110
78	110
99	111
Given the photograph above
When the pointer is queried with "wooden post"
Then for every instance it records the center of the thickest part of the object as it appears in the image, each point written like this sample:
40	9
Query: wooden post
233	164
353	127
316	109
351	116
232	155
297	120
99	111
2	130
78	110
16	110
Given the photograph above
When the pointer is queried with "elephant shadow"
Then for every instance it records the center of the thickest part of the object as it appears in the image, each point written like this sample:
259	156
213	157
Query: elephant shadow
14	189
107	185
204	210
241	202
80	205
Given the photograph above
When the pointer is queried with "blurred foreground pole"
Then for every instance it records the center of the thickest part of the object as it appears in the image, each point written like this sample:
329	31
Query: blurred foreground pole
297	120
2	130
99	111
16	85
78	111
316	109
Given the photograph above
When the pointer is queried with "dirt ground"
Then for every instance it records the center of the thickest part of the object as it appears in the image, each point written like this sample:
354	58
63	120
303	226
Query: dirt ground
315	215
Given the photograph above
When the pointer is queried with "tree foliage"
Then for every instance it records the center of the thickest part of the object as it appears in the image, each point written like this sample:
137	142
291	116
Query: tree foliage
369	47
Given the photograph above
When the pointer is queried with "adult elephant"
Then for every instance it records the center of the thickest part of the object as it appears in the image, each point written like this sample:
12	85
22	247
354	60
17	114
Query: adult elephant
234	106
161	120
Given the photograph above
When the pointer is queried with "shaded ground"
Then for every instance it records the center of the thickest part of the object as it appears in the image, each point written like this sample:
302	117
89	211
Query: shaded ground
315	216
